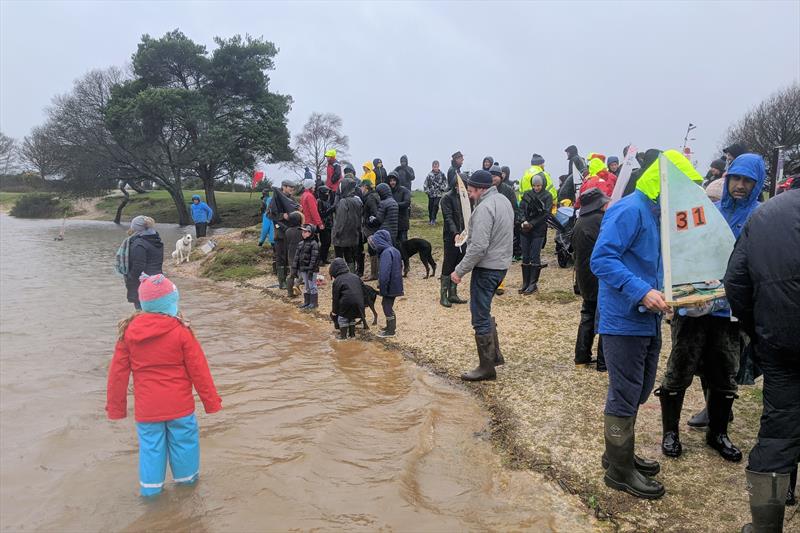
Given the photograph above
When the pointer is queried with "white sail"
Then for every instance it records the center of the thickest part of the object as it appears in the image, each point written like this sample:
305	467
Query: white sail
625	172
466	211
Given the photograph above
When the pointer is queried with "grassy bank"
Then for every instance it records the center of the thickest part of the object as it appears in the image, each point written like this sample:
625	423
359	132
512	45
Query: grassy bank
37	205
8	199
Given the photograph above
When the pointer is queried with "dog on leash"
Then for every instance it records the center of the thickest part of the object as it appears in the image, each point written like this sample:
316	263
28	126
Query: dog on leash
183	248
423	248
370	295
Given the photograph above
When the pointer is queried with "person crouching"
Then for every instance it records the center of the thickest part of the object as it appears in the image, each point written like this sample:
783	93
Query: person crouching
306	263
167	361
348	298
390	278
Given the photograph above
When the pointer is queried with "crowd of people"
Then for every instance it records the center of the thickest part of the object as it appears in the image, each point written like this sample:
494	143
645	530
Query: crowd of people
618	275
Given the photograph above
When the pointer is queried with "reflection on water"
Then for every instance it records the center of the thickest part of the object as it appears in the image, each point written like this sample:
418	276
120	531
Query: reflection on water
314	434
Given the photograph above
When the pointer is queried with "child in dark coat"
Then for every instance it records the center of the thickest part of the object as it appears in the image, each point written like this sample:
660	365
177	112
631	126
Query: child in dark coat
293	238
390	278
306	263
348	298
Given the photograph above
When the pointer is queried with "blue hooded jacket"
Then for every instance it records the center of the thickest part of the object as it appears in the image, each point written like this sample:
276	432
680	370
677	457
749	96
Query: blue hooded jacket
200	211
627	262
390	275
736	212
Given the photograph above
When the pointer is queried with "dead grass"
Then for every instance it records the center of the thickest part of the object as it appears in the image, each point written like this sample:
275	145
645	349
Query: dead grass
548	415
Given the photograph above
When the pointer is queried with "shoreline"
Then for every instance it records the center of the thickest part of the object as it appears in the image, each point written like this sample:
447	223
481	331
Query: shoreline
546	415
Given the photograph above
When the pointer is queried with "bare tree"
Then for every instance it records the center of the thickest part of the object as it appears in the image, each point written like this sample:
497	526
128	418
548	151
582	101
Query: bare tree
322	132
8	154
773	122
40	151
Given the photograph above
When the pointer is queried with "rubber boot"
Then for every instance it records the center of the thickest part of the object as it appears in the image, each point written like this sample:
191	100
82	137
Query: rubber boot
791	499
719	409
290	286
533	284
443	290
351	329
274	268
452	294
306	301
648	467
671	405
342	333
526	277
486	356
501	289
314	301
373	268
498	355
391	327
360	264
282	277
700	420
621	473
767	491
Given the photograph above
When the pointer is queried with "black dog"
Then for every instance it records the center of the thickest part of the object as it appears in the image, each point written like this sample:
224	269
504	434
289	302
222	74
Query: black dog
423	247
370	295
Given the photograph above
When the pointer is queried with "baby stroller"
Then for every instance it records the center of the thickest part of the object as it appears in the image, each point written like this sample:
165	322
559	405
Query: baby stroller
564	223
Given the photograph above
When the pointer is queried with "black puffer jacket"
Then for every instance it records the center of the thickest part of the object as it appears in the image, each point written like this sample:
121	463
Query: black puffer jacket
388	211
372	202
585	235
145	255
403	198
306	259
348	294
534	208
763	278
347	221
451	212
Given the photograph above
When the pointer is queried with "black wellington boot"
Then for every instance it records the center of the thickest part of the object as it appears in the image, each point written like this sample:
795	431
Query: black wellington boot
342	333
767	492
621	473
351	329
306	301
452	294
313	301
498	355
533	285
391	327
719	409
290	286
526	277
671	405
486	355
443	290
282	277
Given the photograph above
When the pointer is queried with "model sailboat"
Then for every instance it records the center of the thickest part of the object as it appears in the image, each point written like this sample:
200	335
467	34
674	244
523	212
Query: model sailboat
466	211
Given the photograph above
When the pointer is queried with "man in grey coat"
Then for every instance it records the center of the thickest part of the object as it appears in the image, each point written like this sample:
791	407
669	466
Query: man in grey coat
489	249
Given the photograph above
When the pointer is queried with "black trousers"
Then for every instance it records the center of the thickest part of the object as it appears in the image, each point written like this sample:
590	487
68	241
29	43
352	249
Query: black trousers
387	303
778	446
324	244
281	253
452	255
349	253
433	207
586	332
200	229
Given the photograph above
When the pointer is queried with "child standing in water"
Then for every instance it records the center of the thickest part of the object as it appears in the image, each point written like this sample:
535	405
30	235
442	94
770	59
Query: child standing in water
306	263
166	360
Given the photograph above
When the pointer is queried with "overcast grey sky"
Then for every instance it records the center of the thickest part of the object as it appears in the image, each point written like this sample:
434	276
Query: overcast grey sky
427	79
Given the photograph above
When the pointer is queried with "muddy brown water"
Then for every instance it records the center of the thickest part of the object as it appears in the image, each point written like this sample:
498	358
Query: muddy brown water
313	435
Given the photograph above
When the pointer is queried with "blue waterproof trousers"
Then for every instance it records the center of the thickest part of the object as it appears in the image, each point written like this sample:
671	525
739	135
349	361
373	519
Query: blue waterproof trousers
177	439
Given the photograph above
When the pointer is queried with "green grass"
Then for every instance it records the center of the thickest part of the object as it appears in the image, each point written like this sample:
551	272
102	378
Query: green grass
238	209
42	205
8	199
236	262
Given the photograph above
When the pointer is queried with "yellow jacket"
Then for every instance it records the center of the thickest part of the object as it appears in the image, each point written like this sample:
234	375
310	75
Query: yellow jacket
525	182
369	172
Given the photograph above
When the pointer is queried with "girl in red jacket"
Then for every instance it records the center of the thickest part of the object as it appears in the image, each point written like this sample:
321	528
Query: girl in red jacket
166	361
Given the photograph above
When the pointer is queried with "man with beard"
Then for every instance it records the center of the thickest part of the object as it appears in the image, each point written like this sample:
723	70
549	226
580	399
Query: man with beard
405	174
456	160
488	256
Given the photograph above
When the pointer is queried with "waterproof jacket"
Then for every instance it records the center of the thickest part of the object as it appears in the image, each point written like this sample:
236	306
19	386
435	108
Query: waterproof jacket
388	211
534	209
369	172
308	204
451	174
584	236
380	172
603	180
333	175
279	205
390	273
435	184
525	182
325	207
348	294
405	175
627	262
201	212
306	258
451	212
372	203
491	234
574	160
166	361
347	221
762	283
402	196
145	255
736	212
508	191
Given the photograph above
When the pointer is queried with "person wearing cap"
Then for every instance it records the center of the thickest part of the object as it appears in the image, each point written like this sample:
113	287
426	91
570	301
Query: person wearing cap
145	255
306	263
333	171
166	361
308	205
380	171
405	174
537	168
535	206
584	236
715	172
456	160
280	208
488	256
435	187
201	216
372	204
709	344
452	227
613	165
498	180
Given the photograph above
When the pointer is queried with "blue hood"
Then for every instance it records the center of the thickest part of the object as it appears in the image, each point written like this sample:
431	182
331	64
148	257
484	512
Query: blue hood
196	197
381	240
736	212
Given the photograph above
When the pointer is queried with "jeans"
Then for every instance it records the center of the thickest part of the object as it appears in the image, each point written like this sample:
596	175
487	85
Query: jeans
433	207
632	363
481	291
387	303
309	282
178	440
531	248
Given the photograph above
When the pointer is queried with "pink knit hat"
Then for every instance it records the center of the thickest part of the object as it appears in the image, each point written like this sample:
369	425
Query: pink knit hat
154	287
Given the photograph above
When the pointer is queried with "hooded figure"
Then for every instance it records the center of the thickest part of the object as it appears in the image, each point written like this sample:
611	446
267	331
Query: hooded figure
405	174
737	211
145	255
388	212
487	163
380	171
201	215
648	158
390	278
733	151
369	172
347	302
347	223
402	196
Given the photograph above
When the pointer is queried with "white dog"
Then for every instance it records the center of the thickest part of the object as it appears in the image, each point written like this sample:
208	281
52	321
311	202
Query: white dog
183	248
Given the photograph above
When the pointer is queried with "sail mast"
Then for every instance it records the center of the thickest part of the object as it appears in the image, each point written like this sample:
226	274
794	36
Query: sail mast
666	257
